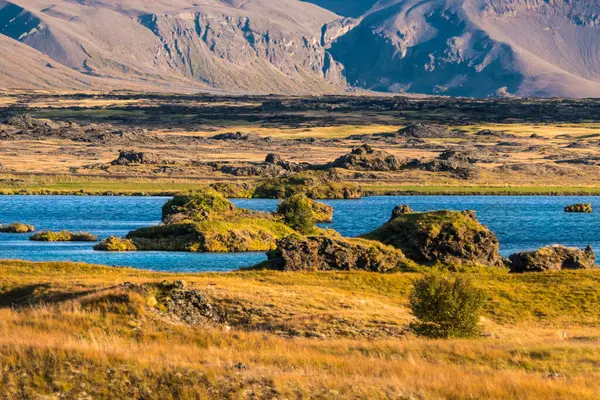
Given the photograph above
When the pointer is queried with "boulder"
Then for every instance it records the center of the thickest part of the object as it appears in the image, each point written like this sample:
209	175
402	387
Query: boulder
115	244
553	258
17	228
365	158
327	253
129	157
579	208
459	169
449	237
401	210
277	160
236	136
421	130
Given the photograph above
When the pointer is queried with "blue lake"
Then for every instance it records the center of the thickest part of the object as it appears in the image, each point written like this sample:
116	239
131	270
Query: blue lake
520	222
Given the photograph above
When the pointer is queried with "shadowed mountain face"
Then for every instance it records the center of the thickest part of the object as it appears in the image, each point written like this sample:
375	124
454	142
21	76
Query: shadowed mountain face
451	47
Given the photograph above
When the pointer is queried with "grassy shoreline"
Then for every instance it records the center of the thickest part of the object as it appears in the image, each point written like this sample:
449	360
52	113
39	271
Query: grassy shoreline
161	189
71	330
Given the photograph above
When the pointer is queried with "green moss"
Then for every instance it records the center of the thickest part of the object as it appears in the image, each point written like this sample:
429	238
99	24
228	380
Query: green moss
115	244
446	237
17	228
197	206
239	234
315	184
63	236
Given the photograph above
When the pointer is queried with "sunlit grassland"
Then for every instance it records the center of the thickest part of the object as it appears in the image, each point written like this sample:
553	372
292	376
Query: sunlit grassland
85	336
576	130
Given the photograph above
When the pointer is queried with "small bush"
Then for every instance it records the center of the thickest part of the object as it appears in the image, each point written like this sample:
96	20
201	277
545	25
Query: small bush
16	228
297	212
63	236
446	306
197	206
115	244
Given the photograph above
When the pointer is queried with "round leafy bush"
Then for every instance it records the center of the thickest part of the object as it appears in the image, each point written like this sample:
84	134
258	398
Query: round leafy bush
297	212
446	306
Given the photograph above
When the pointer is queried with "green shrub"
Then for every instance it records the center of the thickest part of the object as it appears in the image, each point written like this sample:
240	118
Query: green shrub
63	236
446	306
197	206
115	244
16	228
297	212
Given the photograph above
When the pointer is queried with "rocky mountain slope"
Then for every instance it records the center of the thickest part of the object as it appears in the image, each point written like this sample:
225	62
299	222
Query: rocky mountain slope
450	47
241	45
476	47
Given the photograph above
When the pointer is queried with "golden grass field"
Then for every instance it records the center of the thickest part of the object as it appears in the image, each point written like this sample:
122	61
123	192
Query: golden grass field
74	333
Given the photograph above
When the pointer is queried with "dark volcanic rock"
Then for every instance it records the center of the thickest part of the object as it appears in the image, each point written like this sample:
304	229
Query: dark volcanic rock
491	133
365	158
236	136
459	169
554	258
401	210
441	236
134	157
425	131
276	159
324	253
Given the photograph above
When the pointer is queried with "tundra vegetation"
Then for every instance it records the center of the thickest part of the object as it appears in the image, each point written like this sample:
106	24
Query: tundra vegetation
76	330
327	147
63	236
17	227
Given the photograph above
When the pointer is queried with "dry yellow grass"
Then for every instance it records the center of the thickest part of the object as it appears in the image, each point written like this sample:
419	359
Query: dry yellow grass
105	343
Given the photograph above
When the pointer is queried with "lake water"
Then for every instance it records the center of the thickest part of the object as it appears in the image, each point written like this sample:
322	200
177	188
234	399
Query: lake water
520	222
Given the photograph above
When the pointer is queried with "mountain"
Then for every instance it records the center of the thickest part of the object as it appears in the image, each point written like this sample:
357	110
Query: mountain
450	47
237	45
476	47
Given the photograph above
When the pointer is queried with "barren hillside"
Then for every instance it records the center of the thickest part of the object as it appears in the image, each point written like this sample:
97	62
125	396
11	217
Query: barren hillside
452	47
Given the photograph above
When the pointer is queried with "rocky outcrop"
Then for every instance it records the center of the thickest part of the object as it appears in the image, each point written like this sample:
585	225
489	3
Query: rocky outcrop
63	236
205	221
325	253
401	210
115	244
236	136
554	258
421	130
276	159
128	157
459	169
449	237
17	228
579	208
315	184
365	158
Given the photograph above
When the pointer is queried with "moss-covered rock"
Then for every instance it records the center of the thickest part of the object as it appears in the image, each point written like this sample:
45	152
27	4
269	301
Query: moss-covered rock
17	228
322	212
553	258
207	222
199	206
63	236
238	234
447	237
115	244
315	184
579	208
334	253
365	158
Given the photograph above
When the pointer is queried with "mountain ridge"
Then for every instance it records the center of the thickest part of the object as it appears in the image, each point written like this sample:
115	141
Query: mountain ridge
476	48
